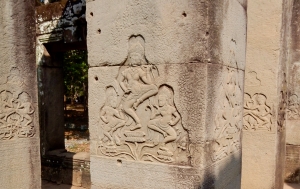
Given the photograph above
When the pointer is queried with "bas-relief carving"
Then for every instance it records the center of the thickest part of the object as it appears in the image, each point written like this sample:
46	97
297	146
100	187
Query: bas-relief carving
16	113
257	114
139	120
228	119
253	79
293	107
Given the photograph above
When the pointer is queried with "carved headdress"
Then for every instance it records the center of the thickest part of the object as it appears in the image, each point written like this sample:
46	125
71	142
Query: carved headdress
136	46
168	92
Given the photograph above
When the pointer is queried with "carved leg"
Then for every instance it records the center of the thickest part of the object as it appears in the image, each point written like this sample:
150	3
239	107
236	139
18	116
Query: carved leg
128	110
172	135
153	90
155	128
108	135
117	140
132	113
120	124
29	119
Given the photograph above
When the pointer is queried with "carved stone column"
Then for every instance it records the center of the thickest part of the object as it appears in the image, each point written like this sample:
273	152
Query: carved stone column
19	128
292	165
166	93
265	93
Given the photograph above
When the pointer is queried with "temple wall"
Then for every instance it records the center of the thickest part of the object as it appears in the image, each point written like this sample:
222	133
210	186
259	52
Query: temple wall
19	120
166	93
266	92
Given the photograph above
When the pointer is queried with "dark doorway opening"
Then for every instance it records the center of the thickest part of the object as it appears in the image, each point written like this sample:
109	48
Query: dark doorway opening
64	114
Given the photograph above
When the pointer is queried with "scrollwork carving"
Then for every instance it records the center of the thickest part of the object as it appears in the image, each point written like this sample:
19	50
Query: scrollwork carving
139	120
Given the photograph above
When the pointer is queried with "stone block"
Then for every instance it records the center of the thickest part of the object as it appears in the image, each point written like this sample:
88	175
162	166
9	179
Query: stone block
266	91
165	93
19	120
292	165
185	134
174	31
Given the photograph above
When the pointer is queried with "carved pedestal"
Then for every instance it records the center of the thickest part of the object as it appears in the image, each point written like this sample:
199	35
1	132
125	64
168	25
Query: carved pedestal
19	128
165	94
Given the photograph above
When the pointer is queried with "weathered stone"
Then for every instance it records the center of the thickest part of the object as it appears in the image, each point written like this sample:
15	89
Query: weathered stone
265	93
61	26
65	17
60	167
292	163
175	31
183	132
292	168
19	128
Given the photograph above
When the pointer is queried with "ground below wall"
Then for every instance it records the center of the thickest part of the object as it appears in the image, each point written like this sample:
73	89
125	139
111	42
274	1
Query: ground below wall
61	167
292	165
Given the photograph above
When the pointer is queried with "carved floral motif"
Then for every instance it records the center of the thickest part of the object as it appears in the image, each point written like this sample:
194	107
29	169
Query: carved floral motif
139	120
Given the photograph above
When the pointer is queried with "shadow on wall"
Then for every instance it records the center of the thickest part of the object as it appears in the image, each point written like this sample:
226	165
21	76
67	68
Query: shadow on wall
225	174
294	177
61	27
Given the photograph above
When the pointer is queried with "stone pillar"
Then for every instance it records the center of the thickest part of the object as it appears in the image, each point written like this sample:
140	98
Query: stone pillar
292	173
19	122
166	93
265	93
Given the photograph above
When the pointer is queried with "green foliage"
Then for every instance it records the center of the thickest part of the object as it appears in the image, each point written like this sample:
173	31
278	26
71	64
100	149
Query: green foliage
75	70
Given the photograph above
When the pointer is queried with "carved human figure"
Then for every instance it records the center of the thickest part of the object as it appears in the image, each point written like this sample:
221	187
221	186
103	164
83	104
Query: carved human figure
25	108
137	83
260	112
6	107
230	86
165	116
14	78
293	106
111	117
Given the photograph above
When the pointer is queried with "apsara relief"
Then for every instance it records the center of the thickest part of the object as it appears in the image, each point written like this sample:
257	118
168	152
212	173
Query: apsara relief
139	120
257	114
16	112
293	107
228	119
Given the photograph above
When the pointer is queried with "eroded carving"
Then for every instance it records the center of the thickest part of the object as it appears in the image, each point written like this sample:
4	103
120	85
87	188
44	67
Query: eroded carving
257	114
228	119
15	116
139	120
282	106
253	79
16	112
293	107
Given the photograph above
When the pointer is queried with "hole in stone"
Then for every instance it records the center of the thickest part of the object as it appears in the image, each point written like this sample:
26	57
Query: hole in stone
119	162
96	78
184	14
207	33
91	13
99	31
